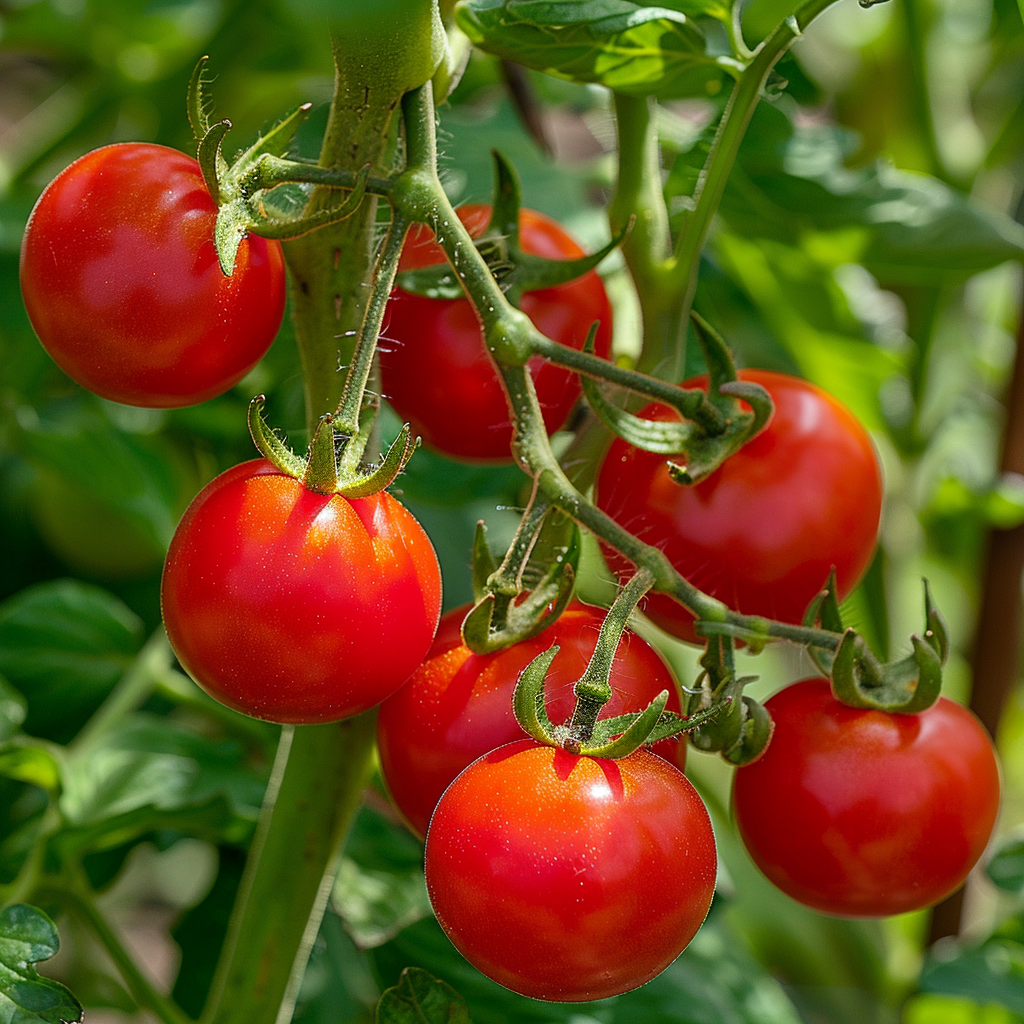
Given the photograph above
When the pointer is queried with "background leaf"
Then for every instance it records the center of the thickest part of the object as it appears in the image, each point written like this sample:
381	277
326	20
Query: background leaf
27	936
64	644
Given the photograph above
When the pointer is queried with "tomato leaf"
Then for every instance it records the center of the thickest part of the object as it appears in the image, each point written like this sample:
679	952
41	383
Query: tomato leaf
792	186
28	936
31	762
64	644
630	48
149	773
1005	870
419	998
713	980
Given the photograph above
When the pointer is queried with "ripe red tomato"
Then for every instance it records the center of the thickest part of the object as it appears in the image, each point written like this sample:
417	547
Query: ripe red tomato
435	369
121	281
862	813
294	606
458	705
566	877
762	532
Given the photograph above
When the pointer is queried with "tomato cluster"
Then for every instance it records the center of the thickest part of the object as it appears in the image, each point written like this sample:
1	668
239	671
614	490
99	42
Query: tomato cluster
560	875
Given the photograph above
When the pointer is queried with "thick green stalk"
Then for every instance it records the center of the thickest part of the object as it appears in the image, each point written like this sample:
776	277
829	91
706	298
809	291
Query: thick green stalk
639	194
726	146
315	790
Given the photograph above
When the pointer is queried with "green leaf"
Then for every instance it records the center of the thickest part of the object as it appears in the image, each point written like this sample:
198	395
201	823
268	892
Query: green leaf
990	973
149	773
791	184
1006	868
629	48
419	998
64	644
28	936
136	475
380	888
30	762
12	710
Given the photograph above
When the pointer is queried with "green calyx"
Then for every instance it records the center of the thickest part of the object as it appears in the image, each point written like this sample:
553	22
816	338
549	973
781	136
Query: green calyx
587	733
325	470
541	563
239	189
515	271
742	731
715	424
907	686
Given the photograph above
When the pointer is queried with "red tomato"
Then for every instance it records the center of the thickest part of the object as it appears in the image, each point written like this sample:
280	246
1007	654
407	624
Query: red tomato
762	532
863	813
294	606
121	281
566	877
458	705
435	369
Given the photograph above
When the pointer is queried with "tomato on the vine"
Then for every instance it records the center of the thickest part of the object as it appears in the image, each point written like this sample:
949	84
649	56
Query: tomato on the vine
121	281
458	705
566	877
294	606
434	366
762	532
862	813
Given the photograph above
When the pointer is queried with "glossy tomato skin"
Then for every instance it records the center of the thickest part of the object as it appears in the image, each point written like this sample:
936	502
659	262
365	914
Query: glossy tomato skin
435	369
122	285
862	813
457	705
570	878
763	531
298	607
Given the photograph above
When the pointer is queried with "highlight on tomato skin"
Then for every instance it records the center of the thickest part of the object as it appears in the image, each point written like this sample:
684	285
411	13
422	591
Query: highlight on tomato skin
298	607
570	878
435	369
123	288
861	813
457	705
764	530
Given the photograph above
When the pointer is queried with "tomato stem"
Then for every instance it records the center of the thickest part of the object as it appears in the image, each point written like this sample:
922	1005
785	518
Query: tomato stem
314	793
592	689
726	145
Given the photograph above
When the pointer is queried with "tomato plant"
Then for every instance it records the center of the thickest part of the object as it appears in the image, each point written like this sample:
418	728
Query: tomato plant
566	877
435	368
764	530
298	607
863	813
457	705
835	234
121	281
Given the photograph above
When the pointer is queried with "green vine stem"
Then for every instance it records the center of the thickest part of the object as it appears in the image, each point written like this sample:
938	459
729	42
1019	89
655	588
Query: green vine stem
639	194
314	792
511	339
725	147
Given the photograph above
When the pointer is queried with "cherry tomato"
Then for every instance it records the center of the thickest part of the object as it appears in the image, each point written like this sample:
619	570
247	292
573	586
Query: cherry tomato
566	877
294	606
458	705
762	532
122	285
435	369
862	813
